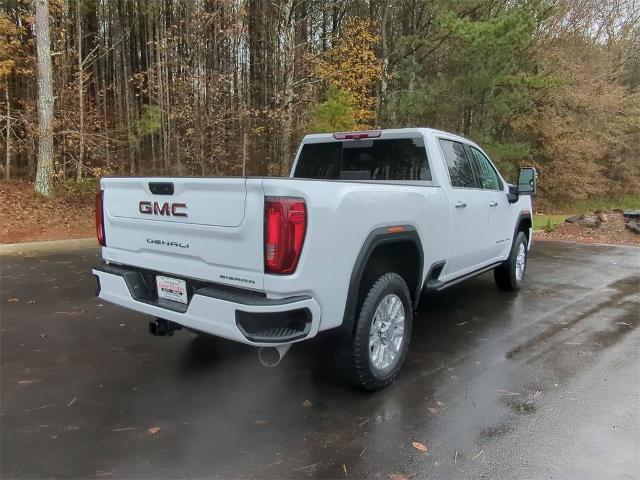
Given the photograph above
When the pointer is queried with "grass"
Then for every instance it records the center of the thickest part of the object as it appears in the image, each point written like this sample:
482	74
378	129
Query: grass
589	205
547	222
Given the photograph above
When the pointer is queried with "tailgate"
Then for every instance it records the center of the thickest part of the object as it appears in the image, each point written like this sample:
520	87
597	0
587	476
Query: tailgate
203	228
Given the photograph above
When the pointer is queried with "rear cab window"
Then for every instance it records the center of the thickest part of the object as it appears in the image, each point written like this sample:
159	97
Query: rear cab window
382	159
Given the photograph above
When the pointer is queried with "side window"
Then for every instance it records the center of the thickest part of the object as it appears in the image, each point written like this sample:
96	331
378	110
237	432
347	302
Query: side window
401	159
488	177
458	163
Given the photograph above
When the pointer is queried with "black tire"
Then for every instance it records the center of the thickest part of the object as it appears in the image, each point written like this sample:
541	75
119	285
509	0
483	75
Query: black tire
354	363
505	274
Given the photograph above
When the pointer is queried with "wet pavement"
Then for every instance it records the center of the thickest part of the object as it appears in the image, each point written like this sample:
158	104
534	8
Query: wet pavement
544	383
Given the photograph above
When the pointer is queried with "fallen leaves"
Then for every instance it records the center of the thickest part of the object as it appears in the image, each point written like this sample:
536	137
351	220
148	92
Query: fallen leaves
481	452
154	430
612	231
420	446
27	217
506	393
73	312
24	383
438	408
40	407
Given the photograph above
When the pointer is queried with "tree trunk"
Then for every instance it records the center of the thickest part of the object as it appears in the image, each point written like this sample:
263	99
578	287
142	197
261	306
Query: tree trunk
8	126
384	82
44	174
80	92
291	34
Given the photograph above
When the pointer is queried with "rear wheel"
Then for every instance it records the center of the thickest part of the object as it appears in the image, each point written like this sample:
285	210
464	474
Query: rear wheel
375	353
510	275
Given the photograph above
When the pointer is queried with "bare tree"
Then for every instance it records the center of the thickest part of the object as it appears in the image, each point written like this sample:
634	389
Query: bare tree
80	91
8	127
45	100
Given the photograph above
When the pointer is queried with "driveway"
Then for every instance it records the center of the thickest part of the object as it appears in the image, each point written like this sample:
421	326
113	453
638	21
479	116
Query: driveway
544	383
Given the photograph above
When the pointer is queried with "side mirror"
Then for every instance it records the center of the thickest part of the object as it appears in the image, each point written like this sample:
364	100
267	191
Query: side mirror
512	195
527	180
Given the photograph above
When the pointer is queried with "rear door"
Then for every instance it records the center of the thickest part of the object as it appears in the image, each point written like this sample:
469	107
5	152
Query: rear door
469	236
202	228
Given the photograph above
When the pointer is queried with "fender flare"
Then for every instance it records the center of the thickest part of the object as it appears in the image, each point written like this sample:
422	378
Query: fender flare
377	237
525	214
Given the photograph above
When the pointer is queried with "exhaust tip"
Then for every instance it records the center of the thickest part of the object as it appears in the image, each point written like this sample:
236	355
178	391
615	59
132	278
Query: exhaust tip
269	356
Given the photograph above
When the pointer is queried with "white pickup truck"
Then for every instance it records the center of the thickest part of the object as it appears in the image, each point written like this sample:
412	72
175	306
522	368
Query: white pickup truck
366	223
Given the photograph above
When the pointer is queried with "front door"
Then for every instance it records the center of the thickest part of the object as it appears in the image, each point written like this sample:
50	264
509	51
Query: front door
499	218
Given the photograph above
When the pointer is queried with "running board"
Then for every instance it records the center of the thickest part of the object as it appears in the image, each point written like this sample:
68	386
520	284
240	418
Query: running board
432	284
467	276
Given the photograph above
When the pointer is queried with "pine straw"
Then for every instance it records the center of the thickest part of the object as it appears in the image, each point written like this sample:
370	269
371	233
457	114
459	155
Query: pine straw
611	231
26	216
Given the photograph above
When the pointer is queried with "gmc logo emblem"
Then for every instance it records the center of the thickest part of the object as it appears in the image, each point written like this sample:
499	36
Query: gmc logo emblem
166	208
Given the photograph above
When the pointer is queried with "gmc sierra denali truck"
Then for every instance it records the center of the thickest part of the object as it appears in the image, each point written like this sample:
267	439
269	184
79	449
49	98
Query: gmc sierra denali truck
365	224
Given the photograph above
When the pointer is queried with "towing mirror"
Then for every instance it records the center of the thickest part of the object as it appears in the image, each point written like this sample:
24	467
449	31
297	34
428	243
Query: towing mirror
527	181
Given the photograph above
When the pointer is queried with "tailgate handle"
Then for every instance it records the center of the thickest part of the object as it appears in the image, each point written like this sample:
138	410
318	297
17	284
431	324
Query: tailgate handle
161	188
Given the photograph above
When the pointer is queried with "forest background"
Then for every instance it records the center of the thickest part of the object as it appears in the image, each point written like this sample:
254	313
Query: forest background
229	87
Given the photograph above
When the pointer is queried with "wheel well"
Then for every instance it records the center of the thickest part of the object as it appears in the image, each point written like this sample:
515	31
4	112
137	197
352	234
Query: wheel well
383	251
401	257
524	226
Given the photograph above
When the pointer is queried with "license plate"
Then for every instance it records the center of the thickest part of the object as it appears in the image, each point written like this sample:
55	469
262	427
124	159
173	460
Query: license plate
172	289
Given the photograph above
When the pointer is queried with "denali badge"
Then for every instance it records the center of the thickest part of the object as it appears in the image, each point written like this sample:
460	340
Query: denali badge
167	243
169	209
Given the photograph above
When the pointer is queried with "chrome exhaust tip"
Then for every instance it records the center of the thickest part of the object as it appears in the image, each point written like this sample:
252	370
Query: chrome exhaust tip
272	356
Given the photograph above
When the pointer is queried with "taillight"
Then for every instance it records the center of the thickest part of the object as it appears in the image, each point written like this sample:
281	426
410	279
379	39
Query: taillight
100	219
285	224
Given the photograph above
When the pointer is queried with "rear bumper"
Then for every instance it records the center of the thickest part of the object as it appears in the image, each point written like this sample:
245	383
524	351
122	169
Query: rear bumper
229	313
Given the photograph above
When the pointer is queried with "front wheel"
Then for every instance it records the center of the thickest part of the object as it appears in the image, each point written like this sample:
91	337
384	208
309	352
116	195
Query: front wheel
510	274
374	355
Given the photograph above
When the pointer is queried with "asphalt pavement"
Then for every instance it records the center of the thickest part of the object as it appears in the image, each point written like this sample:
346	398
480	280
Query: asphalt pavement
543	383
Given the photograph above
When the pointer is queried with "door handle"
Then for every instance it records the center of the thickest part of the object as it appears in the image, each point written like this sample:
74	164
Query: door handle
493	204
460	205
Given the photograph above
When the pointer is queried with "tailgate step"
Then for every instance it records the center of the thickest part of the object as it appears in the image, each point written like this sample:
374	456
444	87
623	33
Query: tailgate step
278	327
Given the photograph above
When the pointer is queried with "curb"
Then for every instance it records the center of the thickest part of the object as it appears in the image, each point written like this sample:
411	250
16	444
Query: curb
597	244
49	246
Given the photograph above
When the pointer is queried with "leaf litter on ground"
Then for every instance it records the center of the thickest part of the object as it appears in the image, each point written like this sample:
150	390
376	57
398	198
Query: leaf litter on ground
420	446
